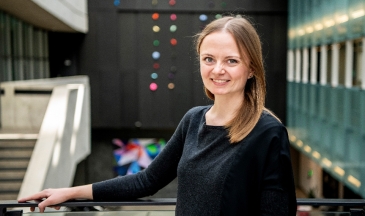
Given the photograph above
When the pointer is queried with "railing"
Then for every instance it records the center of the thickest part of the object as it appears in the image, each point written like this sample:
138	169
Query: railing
62	118
356	206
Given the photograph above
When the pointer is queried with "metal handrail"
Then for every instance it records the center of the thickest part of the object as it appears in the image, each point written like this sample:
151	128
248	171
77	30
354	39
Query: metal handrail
4	204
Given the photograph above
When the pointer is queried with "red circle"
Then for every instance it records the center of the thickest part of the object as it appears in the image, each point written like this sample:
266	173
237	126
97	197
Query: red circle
156	66
173	42
172	2
155	16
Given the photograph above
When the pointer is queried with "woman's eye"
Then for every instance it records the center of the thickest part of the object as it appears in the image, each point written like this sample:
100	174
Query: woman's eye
208	59
232	61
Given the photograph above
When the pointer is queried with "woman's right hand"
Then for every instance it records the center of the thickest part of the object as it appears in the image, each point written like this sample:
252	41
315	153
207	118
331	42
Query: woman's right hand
52	197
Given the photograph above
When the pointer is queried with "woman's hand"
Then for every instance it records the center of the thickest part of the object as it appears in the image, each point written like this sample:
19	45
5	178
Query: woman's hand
52	197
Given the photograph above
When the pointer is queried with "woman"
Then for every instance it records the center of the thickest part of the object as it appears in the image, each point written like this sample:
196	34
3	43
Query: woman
232	157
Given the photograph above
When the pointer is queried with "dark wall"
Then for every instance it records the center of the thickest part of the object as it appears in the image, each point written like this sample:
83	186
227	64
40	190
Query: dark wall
116	55
64	52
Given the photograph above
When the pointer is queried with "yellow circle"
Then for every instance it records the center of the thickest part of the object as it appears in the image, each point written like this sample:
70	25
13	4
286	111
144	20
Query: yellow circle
154	2
156	28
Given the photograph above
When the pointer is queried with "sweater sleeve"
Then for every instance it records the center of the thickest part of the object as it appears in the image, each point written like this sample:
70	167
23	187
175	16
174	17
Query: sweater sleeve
278	184
274	203
158	174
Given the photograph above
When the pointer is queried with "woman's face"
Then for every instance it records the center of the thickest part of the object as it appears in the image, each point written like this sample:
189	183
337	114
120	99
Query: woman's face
224	71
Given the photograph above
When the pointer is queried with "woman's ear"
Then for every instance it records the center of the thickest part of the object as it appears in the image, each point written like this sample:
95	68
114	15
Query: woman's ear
250	75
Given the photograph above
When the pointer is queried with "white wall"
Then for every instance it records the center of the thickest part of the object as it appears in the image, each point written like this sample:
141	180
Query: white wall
71	12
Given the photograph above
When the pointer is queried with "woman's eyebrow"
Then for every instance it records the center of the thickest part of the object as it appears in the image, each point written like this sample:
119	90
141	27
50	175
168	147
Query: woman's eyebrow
233	57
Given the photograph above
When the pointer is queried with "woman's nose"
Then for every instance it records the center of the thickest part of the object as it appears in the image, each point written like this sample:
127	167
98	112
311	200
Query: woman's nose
219	68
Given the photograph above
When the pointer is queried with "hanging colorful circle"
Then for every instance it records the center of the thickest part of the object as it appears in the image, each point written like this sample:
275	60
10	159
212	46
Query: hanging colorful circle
171	76
116	2
153	86
156	55
173	69
211	4
154	75
171	86
156	28
156	66
203	17
156	42
173	17
218	16
154	2
173	28
173	41
172	2
224	4
155	16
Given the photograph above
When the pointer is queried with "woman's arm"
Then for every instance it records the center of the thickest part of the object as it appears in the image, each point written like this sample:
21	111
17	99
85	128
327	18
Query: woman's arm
55	196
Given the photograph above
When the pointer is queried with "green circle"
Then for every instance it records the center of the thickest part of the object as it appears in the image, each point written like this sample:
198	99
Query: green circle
218	16
173	28
156	42
223	4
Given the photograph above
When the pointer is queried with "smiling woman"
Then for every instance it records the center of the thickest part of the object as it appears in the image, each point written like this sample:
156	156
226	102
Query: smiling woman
233	47
230	158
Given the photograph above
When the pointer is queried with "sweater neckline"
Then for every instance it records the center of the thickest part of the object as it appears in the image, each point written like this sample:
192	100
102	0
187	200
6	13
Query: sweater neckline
205	121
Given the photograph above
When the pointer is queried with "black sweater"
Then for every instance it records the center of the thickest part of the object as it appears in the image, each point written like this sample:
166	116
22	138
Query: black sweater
252	177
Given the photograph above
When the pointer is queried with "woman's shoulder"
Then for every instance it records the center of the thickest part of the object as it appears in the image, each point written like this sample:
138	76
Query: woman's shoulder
269	122
198	110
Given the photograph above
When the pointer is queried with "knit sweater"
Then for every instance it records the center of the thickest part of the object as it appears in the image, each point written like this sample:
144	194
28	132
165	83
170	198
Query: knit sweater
215	177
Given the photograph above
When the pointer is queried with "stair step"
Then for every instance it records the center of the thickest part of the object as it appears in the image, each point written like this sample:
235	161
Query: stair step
11	174
8	196
10	186
10	164
19	153
17	144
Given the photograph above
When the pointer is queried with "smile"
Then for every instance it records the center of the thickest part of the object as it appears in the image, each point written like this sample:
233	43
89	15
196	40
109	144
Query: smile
219	81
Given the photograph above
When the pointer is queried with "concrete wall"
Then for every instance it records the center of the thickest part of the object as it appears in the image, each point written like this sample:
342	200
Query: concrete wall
54	15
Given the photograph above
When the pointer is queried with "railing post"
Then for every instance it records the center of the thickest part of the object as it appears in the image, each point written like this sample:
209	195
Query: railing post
2	211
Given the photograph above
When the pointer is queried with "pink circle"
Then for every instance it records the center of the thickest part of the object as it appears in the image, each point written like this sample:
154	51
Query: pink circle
153	86
173	17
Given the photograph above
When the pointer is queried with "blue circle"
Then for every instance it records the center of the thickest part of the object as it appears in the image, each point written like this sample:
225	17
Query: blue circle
117	2
203	17
155	55
154	75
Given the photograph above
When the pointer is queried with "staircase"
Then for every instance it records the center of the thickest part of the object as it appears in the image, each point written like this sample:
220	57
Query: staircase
15	153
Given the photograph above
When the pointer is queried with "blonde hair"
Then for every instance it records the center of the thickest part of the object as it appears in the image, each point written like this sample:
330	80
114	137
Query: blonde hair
249	45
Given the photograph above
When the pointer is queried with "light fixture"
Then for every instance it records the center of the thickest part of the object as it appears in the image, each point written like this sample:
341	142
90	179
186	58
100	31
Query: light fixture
358	13
316	154
339	171
354	181
318	26
307	148
342	18
309	29
293	138
301	32
327	162
329	23
299	143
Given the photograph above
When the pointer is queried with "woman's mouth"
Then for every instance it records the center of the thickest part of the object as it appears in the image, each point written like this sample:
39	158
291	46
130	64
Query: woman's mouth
219	80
